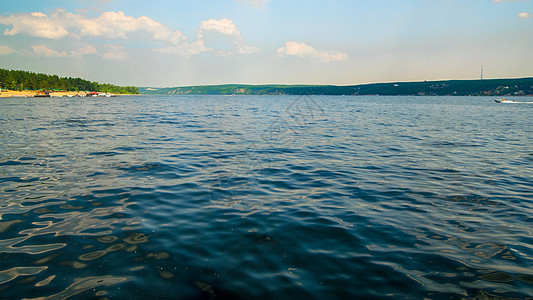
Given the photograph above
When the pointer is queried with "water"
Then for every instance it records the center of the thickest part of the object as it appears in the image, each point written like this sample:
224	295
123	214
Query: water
204	197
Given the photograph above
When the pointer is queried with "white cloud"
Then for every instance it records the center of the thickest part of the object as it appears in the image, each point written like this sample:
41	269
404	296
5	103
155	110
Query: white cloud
35	24
224	26
297	49
116	25
525	15
197	47
116	53
302	50
160	32
5	50
227	28
45	51
38	14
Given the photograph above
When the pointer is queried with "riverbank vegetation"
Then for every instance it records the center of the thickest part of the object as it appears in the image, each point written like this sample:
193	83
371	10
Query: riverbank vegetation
24	80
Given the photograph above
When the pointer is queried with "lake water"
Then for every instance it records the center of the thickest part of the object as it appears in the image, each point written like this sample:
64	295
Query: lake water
271	197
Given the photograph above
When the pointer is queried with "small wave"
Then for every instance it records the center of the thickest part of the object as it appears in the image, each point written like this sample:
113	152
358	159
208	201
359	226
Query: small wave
12	163
444	144
103	153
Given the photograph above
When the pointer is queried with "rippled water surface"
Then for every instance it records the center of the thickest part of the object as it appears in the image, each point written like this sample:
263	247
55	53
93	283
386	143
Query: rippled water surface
204	197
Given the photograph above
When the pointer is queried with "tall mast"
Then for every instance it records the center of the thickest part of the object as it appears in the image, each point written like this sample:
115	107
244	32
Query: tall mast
481	72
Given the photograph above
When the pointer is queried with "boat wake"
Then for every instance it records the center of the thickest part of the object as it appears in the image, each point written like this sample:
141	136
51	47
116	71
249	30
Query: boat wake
508	101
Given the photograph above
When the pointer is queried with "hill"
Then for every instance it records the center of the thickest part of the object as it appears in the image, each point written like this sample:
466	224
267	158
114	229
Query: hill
24	80
489	87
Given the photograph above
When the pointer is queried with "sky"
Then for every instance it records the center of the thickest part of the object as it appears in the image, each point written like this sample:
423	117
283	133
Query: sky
167	43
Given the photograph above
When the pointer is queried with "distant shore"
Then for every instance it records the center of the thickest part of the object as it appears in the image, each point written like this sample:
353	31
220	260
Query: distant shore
477	87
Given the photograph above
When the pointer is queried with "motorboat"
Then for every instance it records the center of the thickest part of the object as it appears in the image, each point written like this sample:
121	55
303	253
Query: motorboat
503	100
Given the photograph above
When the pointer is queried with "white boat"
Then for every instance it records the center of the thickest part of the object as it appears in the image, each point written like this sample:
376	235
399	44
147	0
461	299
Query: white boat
503	100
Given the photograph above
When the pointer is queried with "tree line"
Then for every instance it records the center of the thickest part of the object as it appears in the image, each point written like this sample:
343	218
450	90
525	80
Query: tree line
24	80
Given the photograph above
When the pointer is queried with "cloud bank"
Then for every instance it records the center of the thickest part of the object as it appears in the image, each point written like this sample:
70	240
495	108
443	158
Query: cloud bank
109	25
118	26
292	48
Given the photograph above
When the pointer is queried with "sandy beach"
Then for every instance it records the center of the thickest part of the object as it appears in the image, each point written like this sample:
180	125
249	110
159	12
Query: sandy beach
22	94
25	94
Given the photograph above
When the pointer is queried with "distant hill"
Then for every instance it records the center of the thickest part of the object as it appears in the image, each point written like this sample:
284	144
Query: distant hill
488	87
24	80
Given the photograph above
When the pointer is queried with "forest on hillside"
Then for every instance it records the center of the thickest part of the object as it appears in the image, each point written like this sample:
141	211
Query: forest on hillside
479	87
24	80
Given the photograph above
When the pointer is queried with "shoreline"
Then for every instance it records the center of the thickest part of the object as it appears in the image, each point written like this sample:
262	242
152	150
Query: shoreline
25	94
31	94
61	94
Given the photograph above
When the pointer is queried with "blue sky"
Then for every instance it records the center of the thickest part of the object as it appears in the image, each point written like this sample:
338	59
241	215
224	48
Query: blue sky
175	42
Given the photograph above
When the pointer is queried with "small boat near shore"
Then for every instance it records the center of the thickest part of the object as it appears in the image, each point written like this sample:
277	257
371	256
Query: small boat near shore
97	94
42	94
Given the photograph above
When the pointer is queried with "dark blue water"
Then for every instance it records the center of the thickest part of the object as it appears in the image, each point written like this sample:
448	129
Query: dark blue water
204	197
